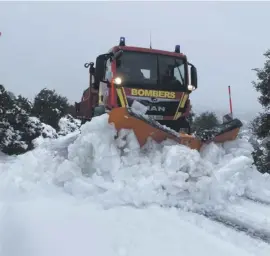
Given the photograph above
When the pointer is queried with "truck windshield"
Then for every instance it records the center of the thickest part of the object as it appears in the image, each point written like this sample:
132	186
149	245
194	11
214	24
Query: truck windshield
151	71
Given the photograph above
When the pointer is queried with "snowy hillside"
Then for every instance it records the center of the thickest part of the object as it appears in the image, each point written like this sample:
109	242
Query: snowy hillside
86	193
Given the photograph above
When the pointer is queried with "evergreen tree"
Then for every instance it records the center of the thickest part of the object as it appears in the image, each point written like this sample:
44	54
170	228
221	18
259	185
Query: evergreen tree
190	117
16	129
205	121
24	103
261	124
263	83
5	100
20	120
49	107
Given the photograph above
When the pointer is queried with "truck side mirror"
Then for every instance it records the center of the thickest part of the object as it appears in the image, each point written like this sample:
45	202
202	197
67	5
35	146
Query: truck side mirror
193	75
100	67
91	67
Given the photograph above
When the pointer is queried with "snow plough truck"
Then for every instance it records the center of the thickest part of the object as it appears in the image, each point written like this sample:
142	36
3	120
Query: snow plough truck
147	90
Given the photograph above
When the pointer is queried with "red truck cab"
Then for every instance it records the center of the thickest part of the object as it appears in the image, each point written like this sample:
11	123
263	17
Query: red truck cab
160	80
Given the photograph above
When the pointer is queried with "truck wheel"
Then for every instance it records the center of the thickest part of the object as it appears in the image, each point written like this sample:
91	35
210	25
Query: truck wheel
184	125
98	111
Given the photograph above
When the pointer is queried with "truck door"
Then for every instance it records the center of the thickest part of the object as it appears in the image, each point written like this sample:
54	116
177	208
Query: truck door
103	87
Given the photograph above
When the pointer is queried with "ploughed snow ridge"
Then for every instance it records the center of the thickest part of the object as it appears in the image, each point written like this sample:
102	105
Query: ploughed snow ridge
95	166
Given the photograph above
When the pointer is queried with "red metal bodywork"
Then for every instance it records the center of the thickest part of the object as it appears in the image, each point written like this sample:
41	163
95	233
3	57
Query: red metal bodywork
89	100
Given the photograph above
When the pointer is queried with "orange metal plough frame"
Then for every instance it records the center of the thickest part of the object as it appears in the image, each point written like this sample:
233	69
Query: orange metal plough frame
227	136
123	120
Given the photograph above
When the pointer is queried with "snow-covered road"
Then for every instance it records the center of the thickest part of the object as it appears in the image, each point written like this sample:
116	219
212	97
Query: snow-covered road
88	194
65	227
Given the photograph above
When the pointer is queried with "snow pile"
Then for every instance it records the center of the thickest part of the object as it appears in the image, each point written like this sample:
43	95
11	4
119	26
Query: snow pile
50	197
166	174
94	166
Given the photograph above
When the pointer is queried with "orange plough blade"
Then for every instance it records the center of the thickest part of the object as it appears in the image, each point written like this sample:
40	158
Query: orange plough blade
224	132
227	136
143	128
122	119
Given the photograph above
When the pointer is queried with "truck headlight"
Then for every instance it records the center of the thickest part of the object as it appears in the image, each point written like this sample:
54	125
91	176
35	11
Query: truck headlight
191	87
117	80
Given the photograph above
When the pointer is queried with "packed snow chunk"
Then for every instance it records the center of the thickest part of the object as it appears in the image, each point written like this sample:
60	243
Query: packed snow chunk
66	171
231	180
221	154
235	167
126	140
28	175
181	158
188	177
130	148
212	152
238	147
95	149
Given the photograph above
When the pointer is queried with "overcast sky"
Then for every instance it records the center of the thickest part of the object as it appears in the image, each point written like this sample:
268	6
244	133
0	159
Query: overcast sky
47	44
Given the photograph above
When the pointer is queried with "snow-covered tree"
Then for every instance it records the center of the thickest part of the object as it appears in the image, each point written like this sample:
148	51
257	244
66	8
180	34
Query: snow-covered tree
24	103
191	116
205	121
261	124
49	107
16	129
263	83
20	123
68	124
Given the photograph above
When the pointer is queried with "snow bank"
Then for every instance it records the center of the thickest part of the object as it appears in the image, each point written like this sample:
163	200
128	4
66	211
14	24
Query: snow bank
167	174
94	166
61	197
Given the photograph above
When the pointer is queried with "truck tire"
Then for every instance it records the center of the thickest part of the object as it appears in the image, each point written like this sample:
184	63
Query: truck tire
83	121
184	125
98	111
